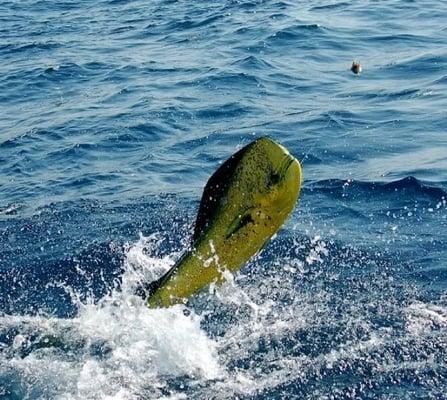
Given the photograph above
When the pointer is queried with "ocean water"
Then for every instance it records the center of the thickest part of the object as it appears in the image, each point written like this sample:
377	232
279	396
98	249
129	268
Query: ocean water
113	114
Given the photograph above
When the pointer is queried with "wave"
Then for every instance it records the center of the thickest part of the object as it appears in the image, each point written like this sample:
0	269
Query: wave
30	137
229	79
426	64
11	48
229	110
333	6
296	32
400	38
253	62
408	187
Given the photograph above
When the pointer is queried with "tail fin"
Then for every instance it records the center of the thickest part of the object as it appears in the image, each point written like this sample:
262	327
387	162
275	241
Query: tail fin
147	289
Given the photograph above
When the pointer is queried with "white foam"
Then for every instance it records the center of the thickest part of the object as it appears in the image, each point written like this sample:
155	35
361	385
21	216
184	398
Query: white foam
116	349
424	317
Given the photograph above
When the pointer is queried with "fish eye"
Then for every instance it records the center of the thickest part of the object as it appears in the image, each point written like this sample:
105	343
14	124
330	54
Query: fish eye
273	179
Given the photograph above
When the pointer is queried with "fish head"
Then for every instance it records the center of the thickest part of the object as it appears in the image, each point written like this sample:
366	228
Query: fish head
265	188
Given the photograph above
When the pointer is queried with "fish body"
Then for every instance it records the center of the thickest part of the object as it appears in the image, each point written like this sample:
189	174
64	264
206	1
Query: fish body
243	205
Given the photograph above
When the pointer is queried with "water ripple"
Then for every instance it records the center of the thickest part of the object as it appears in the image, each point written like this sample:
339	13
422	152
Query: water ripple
113	115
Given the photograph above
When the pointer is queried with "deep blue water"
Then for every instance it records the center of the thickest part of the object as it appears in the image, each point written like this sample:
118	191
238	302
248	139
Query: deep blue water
113	114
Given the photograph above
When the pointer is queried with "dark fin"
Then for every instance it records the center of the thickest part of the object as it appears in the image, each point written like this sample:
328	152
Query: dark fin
147	289
215	188
239	223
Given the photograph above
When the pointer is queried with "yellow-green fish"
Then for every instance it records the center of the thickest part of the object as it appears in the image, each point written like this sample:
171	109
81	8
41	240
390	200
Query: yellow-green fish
243	205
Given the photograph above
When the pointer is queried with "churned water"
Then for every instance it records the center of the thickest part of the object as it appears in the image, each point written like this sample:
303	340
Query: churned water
113	114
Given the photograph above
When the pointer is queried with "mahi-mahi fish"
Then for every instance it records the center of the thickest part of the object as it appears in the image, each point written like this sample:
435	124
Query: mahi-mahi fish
243	205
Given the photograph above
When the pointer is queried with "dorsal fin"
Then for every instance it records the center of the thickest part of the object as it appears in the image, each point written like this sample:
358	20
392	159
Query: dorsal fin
215	188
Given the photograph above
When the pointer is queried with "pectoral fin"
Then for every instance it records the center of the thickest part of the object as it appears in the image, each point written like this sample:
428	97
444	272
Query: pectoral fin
239	222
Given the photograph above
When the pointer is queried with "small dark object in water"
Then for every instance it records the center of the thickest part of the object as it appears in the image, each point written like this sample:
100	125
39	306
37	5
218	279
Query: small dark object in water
356	67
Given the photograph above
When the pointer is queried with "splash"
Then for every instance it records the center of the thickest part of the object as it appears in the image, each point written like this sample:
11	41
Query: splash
114	349
319	319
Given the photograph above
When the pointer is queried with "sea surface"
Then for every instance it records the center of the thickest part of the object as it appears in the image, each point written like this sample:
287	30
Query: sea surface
113	114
